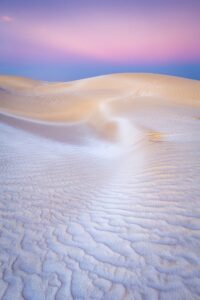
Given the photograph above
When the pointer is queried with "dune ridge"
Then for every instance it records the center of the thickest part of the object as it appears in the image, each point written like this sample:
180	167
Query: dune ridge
97	102
100	188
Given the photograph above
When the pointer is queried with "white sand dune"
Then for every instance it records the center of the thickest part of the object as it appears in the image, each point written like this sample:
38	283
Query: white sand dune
100	188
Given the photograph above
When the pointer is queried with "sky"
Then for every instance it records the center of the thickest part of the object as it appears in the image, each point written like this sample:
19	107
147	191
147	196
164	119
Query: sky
66	40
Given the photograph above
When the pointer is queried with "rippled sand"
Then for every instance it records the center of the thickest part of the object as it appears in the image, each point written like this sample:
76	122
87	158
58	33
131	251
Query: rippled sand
100	188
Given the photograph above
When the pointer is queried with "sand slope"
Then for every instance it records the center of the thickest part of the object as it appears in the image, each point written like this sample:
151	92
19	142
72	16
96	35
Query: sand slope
100	188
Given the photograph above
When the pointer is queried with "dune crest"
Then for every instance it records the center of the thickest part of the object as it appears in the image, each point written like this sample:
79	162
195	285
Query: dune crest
106	104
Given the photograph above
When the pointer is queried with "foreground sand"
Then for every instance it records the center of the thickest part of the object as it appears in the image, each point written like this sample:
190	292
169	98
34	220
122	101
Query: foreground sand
100	188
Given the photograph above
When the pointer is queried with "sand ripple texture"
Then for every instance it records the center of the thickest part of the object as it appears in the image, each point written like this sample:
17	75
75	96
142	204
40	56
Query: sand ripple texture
100	188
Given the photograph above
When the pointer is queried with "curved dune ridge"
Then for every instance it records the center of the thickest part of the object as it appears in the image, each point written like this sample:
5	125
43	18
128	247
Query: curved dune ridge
100	188
106	104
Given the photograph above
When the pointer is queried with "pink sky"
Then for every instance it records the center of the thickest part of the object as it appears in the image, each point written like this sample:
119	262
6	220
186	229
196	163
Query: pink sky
104	36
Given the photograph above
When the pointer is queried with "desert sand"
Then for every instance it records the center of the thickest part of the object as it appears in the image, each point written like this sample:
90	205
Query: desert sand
100	188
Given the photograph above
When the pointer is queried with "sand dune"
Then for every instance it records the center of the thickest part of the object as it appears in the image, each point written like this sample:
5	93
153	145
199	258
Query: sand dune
100	188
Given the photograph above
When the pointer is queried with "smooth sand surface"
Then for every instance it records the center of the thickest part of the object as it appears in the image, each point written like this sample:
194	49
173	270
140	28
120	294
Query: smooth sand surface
100	188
